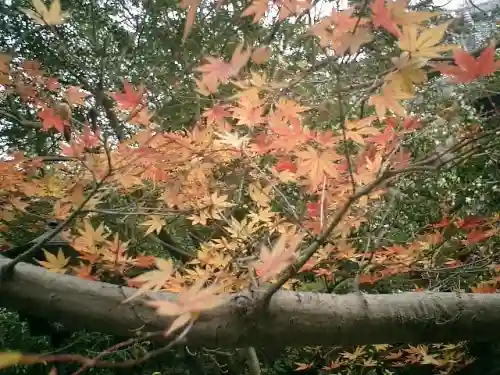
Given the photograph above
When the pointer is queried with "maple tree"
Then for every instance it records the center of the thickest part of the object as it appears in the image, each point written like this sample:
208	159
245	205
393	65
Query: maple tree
265	196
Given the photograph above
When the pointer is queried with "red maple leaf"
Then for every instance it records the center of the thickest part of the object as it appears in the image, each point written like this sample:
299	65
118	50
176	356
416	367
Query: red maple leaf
470	222
383	138
313	209
285	165
412	124
469	68
445	221
130	98
381	17
50	119
478	235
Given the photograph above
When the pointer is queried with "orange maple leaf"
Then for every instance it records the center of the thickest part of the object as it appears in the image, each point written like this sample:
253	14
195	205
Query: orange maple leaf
316	166
342	32
217	71
283	254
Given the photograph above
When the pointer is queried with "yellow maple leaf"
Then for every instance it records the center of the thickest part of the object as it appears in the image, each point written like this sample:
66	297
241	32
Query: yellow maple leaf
260	195
241	229
389	100
154	224
54	263
46	16
408	72
92	236
355	130
424	42
152	280
233	139
401	15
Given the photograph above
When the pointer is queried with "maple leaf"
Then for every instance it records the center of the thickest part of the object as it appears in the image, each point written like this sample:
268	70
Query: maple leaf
389	100
317	166
241	229
409	72
84	271
152	280
382	17
352	41
383	138
217	71
260	195
217	115
233	139
214	72
342	32
302	366
55	263
75	95
154	224
216	203
479	235
424	43
283	254
285	165
44	16
250	108
402	16
190	302
289	108
51	119
130	98
91	236
52	84
355	130
484	288
467	68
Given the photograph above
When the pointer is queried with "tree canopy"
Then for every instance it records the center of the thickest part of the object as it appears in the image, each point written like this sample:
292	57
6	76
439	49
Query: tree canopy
245	175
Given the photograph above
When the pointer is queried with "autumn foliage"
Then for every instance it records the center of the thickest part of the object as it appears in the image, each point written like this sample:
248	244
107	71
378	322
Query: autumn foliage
231	173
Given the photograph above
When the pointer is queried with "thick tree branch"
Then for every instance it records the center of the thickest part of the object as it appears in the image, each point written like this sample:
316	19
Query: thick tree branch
294	319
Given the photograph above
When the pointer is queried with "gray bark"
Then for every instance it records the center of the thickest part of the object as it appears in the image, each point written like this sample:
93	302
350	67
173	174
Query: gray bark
293	319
